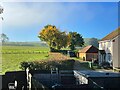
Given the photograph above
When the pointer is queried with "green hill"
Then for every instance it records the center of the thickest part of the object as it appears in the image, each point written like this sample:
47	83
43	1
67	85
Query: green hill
41	44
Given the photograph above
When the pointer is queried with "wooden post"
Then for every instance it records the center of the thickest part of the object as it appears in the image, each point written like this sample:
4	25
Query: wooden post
30	76
27	72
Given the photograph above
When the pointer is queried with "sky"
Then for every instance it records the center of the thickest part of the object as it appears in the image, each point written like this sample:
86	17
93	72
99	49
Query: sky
24	20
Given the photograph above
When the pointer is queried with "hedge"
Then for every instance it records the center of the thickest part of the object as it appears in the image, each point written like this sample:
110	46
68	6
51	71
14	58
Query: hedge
47	65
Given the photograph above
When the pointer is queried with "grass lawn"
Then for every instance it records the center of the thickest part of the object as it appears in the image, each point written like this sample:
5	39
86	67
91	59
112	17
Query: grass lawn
12	56
11	61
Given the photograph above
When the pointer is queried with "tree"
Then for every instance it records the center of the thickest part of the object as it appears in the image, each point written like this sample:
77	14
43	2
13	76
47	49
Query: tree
4	38
54	38
94	42
75	39
61	40
1	11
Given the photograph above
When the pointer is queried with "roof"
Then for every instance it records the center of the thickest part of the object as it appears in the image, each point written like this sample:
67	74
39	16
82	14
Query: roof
91	73
112	35
89	49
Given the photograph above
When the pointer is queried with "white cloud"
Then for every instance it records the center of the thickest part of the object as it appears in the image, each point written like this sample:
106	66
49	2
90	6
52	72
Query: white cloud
19	14
25	14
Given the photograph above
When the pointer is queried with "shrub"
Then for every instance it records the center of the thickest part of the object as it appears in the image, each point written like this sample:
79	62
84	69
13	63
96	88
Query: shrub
95	62
47	65
24	65
105	65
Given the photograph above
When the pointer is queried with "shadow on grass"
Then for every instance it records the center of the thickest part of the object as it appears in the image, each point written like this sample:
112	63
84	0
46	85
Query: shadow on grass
81	65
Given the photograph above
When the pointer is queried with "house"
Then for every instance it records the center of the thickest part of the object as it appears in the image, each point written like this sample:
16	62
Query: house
109	49
88	53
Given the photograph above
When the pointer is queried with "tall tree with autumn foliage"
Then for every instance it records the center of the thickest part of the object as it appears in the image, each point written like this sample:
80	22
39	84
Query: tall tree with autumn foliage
54	38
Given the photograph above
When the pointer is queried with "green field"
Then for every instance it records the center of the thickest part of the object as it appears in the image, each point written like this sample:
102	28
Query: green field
12	56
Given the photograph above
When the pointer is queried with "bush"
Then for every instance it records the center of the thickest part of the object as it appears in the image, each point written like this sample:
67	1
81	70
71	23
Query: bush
47	65
60	51
95	62
105	65
53	50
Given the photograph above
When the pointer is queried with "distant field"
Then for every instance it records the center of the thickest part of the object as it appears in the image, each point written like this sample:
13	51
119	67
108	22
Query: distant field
12	56
38	43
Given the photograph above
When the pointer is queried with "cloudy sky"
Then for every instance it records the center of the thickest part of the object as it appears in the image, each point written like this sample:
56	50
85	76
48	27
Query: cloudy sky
23	20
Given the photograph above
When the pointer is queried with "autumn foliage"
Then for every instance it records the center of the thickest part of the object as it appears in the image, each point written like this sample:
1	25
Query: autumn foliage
57	39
